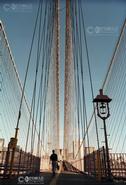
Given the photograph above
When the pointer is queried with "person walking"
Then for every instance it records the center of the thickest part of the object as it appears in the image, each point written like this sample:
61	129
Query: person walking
54	160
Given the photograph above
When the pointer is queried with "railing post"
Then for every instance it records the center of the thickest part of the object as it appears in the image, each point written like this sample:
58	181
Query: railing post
94	160
19	165
28	164
105	168
23	161
2	158
98	166
7	160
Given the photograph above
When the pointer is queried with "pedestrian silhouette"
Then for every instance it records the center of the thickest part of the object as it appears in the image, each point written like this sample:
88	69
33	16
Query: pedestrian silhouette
54	160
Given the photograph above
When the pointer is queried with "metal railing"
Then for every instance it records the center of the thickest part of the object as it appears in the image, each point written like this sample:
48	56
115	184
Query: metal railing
23	163
95	164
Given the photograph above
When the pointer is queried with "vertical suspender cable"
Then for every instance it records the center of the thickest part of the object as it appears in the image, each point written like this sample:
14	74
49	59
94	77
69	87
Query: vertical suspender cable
90	76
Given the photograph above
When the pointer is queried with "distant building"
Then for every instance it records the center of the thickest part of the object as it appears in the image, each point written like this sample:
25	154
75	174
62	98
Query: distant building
1	144
2	153
88	150
70	156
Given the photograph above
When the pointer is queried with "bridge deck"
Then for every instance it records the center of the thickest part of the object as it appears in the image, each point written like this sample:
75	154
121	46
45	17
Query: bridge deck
64	178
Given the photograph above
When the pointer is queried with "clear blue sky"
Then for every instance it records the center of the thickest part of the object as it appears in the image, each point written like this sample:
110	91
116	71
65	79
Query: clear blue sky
103	18
19	22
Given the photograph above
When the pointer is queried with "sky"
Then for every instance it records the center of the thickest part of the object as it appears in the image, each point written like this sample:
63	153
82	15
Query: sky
103	19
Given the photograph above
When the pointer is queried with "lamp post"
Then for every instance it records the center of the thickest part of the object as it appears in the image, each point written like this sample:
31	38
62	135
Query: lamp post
102	104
